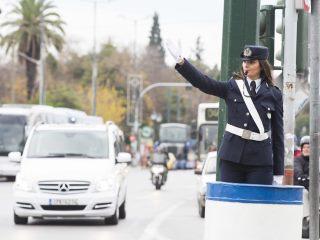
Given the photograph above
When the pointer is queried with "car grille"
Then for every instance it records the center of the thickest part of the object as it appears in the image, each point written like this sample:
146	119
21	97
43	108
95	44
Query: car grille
63	187
63	207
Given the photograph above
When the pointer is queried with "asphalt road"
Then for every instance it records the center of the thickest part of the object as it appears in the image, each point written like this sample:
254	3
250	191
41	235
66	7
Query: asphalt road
168	214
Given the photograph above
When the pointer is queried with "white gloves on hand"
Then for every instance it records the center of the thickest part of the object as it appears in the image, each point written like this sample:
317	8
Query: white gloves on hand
277	179
174	51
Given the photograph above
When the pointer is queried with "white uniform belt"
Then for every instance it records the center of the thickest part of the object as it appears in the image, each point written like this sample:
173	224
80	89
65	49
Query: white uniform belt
246	134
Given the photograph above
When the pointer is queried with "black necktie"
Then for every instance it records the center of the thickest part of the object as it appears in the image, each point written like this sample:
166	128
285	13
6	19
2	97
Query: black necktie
253	88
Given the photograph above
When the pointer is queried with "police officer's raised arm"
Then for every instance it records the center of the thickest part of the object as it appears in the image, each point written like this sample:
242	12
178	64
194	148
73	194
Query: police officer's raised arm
195	77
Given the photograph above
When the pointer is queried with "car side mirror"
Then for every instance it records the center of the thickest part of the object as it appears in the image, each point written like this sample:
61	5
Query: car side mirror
15	156
123	157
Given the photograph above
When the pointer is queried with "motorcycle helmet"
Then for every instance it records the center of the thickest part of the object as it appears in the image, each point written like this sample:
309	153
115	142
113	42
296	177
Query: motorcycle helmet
304	140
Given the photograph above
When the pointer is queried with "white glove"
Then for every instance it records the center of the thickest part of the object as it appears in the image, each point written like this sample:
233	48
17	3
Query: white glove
277	179
174	51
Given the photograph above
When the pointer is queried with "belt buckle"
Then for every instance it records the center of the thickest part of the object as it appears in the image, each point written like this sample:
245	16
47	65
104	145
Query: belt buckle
246	134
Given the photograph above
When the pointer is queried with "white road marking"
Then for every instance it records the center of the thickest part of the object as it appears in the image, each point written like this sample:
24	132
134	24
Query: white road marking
151	230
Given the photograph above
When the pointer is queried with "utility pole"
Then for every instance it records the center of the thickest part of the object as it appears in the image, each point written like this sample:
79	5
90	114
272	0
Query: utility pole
42	63
289	86
94	62
314	118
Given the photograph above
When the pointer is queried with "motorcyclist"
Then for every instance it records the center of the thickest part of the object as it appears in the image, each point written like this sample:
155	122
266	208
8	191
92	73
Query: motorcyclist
160	156
301	164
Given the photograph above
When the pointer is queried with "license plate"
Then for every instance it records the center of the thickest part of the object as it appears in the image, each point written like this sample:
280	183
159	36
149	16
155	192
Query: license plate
63	201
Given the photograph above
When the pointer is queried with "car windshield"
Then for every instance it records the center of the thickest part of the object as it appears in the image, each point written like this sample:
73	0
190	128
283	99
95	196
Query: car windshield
59	144
210	165
12	134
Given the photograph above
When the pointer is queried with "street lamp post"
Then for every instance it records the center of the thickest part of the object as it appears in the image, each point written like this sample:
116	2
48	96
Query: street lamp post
94	62
135	30
42	64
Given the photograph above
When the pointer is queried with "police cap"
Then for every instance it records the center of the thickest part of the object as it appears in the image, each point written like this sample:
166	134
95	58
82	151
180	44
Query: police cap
254	52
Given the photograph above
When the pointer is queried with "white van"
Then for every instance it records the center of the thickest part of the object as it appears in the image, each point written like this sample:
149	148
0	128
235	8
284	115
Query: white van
71	171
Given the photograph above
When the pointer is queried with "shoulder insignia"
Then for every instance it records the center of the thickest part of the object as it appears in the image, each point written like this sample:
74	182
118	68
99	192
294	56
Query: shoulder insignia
277	87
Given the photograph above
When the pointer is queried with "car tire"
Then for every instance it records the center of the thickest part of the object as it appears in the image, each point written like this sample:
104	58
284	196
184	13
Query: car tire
202	211
305	228
20	220
158	186
114	219
122	210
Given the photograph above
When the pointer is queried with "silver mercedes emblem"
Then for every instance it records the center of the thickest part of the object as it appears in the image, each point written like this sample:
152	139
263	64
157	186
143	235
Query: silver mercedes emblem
63	187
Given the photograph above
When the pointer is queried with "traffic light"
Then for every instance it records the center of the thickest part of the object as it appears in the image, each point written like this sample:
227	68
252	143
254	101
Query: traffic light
280	30
266	36
302	42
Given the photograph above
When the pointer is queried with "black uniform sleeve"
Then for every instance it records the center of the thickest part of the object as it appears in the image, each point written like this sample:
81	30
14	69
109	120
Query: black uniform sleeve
201	81
277	134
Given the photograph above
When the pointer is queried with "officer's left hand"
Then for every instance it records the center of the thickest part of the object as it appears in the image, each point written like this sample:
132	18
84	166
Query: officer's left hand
277	180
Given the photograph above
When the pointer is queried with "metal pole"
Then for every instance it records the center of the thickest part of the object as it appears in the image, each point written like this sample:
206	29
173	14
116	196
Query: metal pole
314	118
94	62
135	45
42	63
289	86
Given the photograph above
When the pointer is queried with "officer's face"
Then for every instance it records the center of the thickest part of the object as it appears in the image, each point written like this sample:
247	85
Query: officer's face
252	67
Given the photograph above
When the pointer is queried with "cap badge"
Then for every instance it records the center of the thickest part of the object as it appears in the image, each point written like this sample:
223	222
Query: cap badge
247	52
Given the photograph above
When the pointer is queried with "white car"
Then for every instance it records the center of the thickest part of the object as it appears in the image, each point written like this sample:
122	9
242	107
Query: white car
207	175
72	171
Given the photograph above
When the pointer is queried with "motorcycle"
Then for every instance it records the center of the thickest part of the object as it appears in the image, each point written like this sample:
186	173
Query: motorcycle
159	170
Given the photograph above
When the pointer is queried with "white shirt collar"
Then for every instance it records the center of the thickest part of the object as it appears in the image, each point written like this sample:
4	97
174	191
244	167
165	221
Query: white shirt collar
258	82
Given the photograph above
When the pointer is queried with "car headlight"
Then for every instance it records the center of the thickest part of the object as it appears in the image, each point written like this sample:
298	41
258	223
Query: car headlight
23	185
105	185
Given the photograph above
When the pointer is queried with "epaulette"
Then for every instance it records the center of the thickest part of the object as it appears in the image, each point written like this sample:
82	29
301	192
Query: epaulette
277	87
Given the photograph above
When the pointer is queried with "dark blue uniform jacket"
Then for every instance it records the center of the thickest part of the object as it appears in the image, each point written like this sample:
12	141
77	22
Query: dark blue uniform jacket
269	104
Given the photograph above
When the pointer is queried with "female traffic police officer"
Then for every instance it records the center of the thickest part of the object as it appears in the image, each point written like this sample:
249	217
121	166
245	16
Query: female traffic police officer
247	153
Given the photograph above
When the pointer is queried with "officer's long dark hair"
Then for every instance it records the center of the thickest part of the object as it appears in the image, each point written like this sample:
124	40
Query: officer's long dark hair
265	74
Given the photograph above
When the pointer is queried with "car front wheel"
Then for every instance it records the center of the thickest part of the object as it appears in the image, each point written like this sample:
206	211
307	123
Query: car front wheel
122	210
114	219
20	220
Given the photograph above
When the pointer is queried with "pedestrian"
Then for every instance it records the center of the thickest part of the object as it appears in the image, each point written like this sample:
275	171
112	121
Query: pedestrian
301	175
252	148
301	164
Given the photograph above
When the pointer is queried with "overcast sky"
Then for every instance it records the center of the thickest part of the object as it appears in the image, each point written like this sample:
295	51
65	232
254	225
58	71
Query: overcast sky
182	21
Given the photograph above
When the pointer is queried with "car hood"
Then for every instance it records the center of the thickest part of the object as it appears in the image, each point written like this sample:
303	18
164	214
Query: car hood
74	169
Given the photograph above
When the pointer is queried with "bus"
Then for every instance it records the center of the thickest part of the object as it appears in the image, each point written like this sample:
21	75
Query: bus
175	138
207	131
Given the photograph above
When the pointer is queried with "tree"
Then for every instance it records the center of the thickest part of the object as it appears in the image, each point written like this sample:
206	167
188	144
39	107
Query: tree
155	40
111	105
29	17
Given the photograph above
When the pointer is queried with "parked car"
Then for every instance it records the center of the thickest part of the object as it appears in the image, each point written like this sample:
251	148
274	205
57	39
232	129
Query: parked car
72	170
207	175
